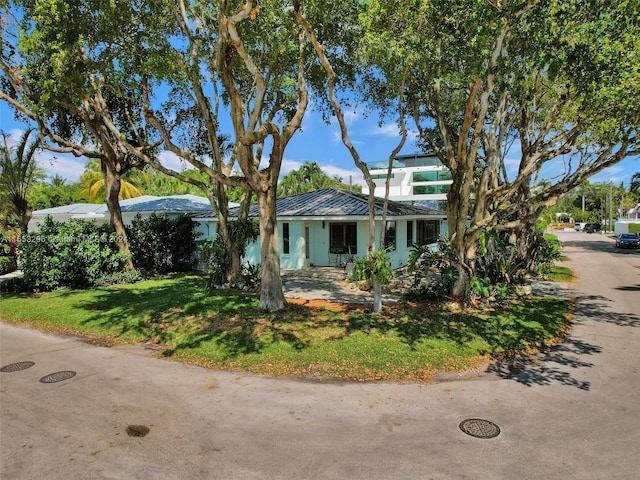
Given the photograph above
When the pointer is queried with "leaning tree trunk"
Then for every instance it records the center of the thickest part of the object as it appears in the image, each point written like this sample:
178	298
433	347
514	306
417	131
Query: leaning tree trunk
112	196
272	293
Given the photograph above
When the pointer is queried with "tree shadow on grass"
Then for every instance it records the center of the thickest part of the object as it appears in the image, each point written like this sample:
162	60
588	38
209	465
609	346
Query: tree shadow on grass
144	309
514	328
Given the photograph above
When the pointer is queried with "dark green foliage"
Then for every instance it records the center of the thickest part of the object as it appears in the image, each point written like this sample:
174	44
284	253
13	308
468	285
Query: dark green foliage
502	262
7	264
251	276
543	252
75	254
433	272
217	260
498	259
217	257
13	285
159	244
375	265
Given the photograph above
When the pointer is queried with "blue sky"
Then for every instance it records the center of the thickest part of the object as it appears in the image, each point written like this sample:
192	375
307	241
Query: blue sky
317	142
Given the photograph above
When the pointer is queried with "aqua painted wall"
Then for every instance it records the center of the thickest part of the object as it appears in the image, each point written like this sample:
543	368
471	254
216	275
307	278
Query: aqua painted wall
318	243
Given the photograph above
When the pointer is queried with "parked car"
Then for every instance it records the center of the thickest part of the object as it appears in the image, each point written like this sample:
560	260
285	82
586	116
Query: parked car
579	226
627	240
592	227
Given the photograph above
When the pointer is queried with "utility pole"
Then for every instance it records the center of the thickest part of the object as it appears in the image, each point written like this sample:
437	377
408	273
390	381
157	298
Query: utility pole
610	207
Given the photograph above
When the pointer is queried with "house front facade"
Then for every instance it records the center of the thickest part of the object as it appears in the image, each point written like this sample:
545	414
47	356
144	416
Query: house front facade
327	227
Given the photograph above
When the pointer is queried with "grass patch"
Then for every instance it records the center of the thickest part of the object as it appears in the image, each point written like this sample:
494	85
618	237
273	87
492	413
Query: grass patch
560	274
226	330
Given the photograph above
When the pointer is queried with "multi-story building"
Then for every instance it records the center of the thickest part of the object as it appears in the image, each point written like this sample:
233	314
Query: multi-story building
419	179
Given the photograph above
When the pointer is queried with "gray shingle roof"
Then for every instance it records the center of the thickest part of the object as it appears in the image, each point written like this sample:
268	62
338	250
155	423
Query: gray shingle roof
332	202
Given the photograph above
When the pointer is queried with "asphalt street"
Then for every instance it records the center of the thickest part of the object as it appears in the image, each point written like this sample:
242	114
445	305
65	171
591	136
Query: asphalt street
570	413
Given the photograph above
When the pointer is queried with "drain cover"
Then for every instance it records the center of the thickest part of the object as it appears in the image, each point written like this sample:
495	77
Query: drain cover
137	430
58	376
479	428
16	367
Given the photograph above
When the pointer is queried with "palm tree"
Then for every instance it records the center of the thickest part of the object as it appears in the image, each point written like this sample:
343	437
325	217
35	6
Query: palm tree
17	168
308	178
92	180
634	187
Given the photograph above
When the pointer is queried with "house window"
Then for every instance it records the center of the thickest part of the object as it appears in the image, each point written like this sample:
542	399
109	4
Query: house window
438	176
431	189
409	233
424	190
382	176
425	177
390	236
427	231
444	175
343	238
307	238
285	238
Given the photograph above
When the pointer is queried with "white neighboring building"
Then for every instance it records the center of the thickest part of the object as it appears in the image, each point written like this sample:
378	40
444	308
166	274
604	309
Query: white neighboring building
419	179
631	224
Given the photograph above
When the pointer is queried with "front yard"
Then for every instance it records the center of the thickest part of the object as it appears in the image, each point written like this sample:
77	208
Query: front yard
178	318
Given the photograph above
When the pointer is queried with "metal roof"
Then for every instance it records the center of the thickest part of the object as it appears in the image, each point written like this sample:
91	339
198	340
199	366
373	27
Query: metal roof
145	203
74	209
332	202
173	203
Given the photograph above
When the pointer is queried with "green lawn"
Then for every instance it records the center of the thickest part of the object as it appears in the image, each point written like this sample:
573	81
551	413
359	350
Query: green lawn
225	329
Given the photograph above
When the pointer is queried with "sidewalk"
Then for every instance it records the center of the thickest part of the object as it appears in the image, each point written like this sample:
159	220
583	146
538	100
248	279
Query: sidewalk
9	276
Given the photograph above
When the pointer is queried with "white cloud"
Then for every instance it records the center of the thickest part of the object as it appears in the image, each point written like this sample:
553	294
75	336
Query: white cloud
392	130
354	175
171	160
65	165
350	116
288	166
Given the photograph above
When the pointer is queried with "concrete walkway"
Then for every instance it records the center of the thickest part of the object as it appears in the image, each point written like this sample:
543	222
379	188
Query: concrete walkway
10	275
328	284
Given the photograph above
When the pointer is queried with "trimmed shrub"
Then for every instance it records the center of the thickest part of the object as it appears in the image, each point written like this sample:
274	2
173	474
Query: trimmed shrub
161	245
7	265
76	253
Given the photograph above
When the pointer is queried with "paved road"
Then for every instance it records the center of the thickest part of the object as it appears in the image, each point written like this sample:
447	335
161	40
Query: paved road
570	414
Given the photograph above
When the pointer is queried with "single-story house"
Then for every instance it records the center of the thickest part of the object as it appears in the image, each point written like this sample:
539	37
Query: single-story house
324	227
172	206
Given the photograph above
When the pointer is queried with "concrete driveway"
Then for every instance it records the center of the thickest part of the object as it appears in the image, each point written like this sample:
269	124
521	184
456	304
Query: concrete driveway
571	413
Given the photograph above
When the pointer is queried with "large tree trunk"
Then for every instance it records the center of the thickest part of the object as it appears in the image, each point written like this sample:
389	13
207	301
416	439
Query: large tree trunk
377	295
272	293
23	215
462	243
112	197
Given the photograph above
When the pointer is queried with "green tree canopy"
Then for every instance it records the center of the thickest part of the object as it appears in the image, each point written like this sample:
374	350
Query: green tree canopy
550	80
308	178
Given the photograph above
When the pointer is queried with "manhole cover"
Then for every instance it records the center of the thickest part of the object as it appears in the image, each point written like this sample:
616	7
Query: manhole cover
58	376
16	367
137	430
479	428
